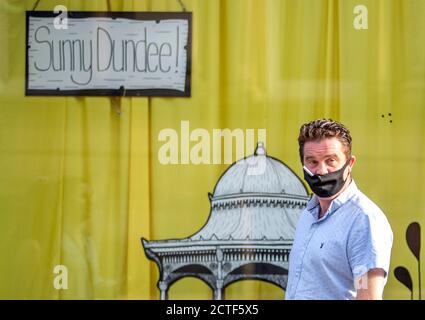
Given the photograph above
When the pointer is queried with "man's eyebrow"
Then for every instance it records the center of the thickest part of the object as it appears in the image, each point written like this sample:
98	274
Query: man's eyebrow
333	155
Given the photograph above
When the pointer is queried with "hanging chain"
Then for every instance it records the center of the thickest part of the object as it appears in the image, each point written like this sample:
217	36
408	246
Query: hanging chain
35	5
182	4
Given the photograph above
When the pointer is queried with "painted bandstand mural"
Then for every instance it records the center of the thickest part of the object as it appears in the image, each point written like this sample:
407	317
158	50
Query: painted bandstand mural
249	233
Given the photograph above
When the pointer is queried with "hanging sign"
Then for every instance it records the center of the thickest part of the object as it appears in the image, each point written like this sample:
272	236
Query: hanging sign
108	54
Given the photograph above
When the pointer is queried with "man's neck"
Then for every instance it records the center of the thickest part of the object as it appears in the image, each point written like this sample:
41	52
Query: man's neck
324	206
325	203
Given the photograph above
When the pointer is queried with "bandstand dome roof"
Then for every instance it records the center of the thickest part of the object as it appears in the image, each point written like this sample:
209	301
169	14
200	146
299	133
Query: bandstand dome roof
259	173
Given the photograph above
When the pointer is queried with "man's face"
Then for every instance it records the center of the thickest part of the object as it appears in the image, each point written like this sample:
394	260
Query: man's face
325	156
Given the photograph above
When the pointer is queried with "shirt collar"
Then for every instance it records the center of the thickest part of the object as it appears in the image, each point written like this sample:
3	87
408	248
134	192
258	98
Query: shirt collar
313	204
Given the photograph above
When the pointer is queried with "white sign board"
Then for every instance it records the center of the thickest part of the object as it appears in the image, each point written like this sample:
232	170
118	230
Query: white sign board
109	53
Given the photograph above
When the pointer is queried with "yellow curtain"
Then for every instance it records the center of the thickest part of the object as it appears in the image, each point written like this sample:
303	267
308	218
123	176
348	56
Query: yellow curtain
81	179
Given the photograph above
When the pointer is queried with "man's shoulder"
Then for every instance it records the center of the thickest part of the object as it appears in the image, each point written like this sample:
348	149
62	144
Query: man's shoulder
368	211
365	205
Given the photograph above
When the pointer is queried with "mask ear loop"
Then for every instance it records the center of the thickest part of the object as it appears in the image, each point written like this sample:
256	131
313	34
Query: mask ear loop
349	170
348	164
308	171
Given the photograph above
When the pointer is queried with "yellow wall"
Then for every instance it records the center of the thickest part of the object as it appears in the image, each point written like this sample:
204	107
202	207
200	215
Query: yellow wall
81	184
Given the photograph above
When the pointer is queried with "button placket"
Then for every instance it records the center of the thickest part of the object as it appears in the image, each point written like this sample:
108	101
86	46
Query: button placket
313	228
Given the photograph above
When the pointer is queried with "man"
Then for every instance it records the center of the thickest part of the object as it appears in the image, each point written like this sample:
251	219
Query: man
343	241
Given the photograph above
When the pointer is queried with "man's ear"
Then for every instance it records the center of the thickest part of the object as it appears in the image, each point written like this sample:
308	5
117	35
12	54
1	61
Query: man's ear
353	160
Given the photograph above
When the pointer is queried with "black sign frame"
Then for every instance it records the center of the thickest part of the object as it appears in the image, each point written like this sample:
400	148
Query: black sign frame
157	16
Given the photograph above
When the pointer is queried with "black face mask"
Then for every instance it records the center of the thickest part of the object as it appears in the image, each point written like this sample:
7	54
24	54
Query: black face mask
327	185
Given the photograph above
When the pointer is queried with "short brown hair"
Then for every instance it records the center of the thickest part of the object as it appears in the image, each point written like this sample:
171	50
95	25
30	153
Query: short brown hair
324	128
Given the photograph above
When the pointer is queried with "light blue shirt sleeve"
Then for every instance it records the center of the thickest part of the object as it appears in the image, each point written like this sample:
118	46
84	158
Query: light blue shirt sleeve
369	243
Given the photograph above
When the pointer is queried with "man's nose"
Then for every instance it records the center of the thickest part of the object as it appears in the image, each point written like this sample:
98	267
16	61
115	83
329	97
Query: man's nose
321	169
